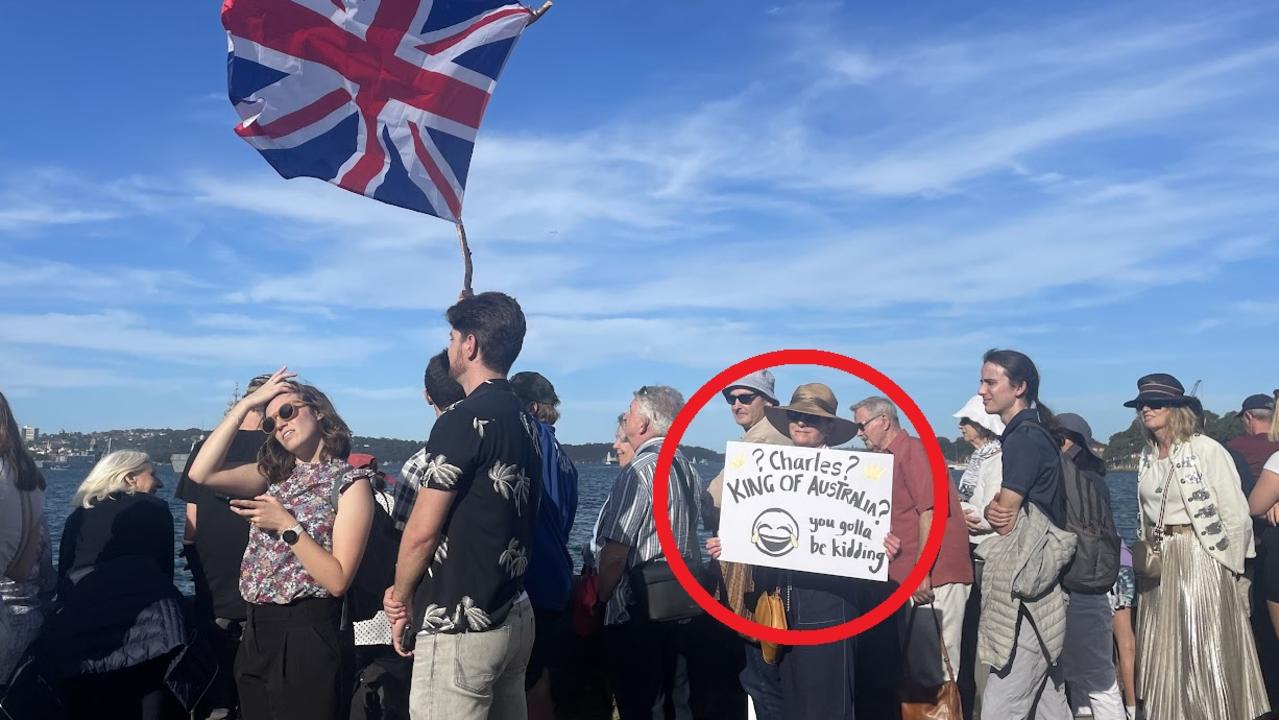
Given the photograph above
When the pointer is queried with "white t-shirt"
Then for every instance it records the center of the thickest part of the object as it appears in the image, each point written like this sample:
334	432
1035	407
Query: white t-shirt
1152	497
1272	464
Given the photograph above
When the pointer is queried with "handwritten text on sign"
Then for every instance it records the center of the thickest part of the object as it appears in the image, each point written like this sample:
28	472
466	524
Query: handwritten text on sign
817	510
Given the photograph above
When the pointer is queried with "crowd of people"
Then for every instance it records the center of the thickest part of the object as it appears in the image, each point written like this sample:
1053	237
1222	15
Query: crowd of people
326	589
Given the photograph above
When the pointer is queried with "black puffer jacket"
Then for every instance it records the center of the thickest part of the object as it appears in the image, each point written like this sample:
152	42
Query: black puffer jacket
117	606
113	615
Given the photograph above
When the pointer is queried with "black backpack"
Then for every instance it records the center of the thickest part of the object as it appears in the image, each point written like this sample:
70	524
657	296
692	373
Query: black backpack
1089	516
377	569
1095	566
363	599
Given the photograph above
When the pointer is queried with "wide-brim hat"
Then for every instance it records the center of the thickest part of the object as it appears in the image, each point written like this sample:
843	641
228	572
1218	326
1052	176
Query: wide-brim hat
818	400
761	382
1161	389
975	410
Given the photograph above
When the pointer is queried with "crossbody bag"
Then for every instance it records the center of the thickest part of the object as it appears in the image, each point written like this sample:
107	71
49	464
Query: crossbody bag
657	594
1147	555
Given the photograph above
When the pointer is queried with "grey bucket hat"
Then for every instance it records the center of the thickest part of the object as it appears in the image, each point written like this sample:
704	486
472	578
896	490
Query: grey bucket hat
761	381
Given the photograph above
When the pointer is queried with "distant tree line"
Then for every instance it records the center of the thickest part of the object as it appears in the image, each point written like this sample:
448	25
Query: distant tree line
1121	451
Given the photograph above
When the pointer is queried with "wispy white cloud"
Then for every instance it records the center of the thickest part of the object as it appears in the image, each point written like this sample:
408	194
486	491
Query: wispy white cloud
24	375
129	335
36	278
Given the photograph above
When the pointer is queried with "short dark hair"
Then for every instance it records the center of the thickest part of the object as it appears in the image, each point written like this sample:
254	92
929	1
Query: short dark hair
442	388
496	321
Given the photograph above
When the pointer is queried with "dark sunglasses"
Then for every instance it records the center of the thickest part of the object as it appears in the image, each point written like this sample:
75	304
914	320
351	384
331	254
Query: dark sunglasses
744	398
805	418
1154	404
286	412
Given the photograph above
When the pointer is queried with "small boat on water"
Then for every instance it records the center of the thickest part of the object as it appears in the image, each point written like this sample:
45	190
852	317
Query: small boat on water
610	458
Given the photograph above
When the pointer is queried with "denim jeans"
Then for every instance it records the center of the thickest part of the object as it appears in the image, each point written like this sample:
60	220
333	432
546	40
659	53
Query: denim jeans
473	675
763	682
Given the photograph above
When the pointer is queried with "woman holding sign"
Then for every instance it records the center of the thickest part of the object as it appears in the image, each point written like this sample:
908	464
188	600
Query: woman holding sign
817	680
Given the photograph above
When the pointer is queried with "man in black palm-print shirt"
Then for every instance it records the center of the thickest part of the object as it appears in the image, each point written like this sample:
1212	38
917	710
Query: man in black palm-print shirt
460	571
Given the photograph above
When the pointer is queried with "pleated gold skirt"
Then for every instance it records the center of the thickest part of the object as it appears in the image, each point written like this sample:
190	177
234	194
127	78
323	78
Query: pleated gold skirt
1195	654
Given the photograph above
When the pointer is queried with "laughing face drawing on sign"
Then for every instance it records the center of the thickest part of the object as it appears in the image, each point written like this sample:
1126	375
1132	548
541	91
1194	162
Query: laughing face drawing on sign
810	507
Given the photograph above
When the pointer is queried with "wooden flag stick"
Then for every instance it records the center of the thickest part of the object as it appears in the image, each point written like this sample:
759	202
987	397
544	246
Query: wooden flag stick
538	13
466	260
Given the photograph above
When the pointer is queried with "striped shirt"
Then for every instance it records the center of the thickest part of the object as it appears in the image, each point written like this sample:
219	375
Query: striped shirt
627	518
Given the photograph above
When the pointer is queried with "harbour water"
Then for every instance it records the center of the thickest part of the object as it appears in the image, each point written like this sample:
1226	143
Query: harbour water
594	482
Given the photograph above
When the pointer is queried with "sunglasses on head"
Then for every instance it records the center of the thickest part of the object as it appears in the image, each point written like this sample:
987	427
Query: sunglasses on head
745	398
286	412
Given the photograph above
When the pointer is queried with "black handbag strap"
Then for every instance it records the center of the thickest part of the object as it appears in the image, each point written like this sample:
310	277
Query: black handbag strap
941	640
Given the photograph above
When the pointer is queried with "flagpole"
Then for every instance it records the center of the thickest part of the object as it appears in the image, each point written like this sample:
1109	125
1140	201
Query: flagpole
466	260
538	13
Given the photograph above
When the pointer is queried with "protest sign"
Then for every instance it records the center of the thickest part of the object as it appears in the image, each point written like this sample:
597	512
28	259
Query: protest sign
812	509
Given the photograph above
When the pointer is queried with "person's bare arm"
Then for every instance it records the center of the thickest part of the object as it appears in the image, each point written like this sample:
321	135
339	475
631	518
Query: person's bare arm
422	535
207	466
924	593
335	570
188	531
1265	494
1001	513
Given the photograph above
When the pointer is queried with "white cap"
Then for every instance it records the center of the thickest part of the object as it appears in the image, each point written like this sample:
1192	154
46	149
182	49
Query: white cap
975	410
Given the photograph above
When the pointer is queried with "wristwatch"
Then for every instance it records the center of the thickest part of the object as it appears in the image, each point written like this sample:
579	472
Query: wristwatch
291	535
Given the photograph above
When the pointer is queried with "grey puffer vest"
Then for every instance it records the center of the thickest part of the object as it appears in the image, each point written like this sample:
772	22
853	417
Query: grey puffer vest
1023	570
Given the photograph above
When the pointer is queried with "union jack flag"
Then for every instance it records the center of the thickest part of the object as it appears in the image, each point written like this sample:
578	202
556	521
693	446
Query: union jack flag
381	97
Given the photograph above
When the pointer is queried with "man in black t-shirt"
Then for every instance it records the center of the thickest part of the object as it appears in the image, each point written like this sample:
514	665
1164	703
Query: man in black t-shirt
459	576
213	543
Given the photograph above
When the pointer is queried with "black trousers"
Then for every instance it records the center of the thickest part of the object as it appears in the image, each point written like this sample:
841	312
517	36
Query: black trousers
134	692
382	687
224	636
295	663
642	666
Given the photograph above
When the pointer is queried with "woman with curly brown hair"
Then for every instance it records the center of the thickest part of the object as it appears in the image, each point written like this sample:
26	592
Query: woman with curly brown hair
309	514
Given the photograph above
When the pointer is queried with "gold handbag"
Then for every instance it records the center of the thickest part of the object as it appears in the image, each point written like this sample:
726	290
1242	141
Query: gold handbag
770	612
1147	555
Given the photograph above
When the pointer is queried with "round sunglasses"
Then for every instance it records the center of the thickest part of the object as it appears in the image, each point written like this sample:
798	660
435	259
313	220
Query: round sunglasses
286	412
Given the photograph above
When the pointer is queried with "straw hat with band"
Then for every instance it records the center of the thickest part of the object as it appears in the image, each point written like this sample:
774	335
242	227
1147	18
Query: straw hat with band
1160	390
816	400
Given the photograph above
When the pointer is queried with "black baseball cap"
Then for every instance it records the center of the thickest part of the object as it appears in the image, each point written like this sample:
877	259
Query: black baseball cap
1258	402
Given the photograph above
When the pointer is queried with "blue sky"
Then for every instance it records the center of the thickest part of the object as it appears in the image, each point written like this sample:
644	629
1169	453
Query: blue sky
667	187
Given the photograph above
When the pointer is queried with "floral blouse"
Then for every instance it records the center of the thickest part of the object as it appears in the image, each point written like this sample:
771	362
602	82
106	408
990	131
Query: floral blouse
270	572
